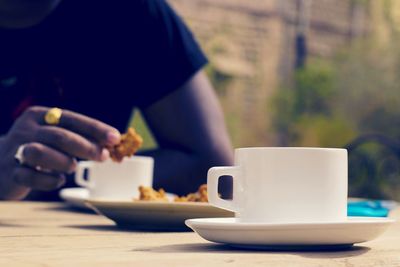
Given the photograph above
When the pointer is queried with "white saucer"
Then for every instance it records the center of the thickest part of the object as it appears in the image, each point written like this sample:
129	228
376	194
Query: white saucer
75	197
291	235
153	215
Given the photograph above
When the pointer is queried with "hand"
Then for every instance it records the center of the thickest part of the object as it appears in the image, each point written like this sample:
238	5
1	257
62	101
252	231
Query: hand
50	151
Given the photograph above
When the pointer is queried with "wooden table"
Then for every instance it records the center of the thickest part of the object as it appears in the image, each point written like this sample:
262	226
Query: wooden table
48	234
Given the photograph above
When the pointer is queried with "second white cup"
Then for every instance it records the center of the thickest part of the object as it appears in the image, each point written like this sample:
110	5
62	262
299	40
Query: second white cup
117	181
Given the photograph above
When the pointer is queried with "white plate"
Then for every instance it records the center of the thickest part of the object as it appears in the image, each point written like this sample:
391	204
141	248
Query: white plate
75	197
150	215
291	235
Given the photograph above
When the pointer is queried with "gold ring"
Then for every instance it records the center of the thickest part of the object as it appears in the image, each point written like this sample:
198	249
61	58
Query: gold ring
53	116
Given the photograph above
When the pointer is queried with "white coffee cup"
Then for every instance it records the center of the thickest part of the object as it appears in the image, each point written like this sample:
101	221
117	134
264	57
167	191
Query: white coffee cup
285	185
113	180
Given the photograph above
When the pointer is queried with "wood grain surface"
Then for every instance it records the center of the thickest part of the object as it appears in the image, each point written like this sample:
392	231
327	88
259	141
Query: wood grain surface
49	234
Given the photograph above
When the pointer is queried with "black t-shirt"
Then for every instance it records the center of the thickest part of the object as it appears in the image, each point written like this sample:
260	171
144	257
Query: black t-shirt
99	58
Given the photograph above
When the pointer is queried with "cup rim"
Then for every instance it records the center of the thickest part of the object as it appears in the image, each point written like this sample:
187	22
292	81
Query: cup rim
130	159
291	148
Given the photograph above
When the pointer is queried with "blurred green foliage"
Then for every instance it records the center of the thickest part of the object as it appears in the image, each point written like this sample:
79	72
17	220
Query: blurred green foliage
374	172
137	121
356	92
304	113
218	78
332	101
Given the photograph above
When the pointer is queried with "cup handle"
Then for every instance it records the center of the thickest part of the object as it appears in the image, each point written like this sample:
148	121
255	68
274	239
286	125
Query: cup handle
212	186
82	166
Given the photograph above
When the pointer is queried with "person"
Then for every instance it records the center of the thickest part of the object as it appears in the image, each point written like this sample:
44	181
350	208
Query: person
95	61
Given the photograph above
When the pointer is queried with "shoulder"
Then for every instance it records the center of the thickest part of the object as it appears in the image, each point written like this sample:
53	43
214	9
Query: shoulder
116	11
125	20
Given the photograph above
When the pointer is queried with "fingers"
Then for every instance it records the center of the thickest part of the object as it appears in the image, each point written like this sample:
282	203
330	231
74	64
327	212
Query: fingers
90	128
36	154
70	143
37	180
50	151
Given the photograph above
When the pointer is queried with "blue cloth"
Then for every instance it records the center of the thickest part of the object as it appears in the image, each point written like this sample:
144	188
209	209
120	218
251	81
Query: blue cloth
373	208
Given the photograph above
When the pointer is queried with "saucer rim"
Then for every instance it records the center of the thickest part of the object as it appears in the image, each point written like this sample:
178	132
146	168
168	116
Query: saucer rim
251	235
63	193
223	223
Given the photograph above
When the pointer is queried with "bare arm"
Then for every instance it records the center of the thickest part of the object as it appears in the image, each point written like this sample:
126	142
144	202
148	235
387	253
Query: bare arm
190	130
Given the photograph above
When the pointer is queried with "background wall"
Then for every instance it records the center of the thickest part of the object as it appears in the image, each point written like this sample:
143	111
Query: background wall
308	73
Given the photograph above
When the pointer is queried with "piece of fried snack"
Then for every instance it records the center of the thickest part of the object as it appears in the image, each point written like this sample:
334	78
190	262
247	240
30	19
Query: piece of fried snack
149	194
199	196
129	144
